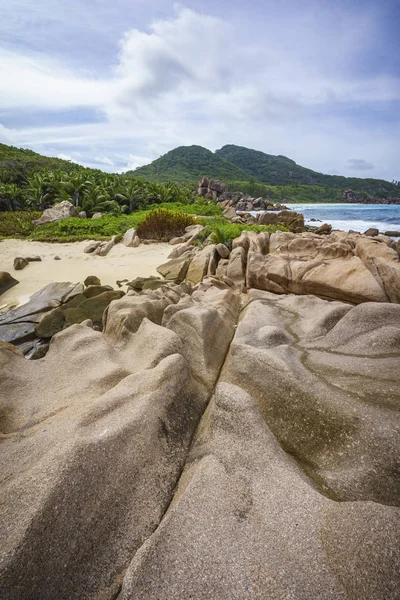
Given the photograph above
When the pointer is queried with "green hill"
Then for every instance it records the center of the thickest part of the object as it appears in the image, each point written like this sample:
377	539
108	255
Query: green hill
189	164
280	170
16	164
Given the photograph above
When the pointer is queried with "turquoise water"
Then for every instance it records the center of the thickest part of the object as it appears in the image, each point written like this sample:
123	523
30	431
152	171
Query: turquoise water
358	217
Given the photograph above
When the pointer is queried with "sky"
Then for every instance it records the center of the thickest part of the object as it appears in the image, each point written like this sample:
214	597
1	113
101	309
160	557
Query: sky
114	84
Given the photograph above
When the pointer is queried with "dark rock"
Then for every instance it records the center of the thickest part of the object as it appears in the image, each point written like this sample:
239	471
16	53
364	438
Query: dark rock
372	232
325	229
47	298
137	284
89	305
17	333
392	233
92	280
39	350
33	258
121	282
20	263
7	281
57	258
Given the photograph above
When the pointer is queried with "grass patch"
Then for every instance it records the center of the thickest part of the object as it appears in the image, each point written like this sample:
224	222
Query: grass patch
156	223
222	231
17	224
209	210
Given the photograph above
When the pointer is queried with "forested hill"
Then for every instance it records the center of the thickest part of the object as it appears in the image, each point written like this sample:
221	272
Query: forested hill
18	163
280	170
189	164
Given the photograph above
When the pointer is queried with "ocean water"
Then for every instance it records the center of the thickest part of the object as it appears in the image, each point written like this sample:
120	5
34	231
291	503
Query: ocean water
358	217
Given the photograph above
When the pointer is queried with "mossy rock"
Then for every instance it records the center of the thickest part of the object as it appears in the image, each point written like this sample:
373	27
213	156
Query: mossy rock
91	304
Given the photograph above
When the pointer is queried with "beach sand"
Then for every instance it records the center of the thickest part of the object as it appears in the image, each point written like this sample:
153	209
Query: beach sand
120	263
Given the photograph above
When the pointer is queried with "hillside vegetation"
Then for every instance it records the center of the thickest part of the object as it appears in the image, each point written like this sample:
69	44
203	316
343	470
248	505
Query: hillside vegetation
16	164
189	164
282	171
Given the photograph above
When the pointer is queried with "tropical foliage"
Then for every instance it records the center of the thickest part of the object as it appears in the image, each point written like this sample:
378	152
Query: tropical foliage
89	191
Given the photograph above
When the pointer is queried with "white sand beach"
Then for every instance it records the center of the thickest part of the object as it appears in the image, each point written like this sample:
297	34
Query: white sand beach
120	263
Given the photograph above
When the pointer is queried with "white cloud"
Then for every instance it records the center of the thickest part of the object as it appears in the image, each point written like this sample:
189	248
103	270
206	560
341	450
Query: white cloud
194	78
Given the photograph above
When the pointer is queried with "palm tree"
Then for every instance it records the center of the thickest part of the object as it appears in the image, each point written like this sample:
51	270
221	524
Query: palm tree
75	186
131	195
36	193
11	197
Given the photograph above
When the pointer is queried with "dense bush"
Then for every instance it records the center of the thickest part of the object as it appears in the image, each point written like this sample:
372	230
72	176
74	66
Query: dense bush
163	224
17	224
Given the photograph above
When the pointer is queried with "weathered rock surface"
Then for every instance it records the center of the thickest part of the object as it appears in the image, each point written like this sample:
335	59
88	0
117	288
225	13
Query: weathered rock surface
17	326
120	482
198	267
59	211
176	268
7	281
335	266
332	267
90	248
131	238
108	446
104	248
90	304
292	220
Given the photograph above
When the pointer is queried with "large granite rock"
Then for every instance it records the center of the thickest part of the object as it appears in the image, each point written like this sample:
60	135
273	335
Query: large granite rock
131	238
337	266
176	268
247	522
59	211
198	267
110	432
289	218
207	444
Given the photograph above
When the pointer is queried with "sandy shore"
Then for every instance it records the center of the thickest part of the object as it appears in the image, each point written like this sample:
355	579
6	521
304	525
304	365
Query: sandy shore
75	265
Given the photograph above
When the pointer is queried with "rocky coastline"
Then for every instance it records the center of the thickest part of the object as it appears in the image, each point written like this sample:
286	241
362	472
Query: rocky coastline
229	429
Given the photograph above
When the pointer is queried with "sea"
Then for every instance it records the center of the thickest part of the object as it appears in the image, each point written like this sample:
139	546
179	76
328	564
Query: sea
357	217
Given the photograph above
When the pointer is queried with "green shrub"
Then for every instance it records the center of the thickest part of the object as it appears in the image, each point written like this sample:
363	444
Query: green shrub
17	223
164	224
223	231
206	210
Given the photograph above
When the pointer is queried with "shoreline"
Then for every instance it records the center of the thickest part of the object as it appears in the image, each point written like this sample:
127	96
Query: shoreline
120	263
